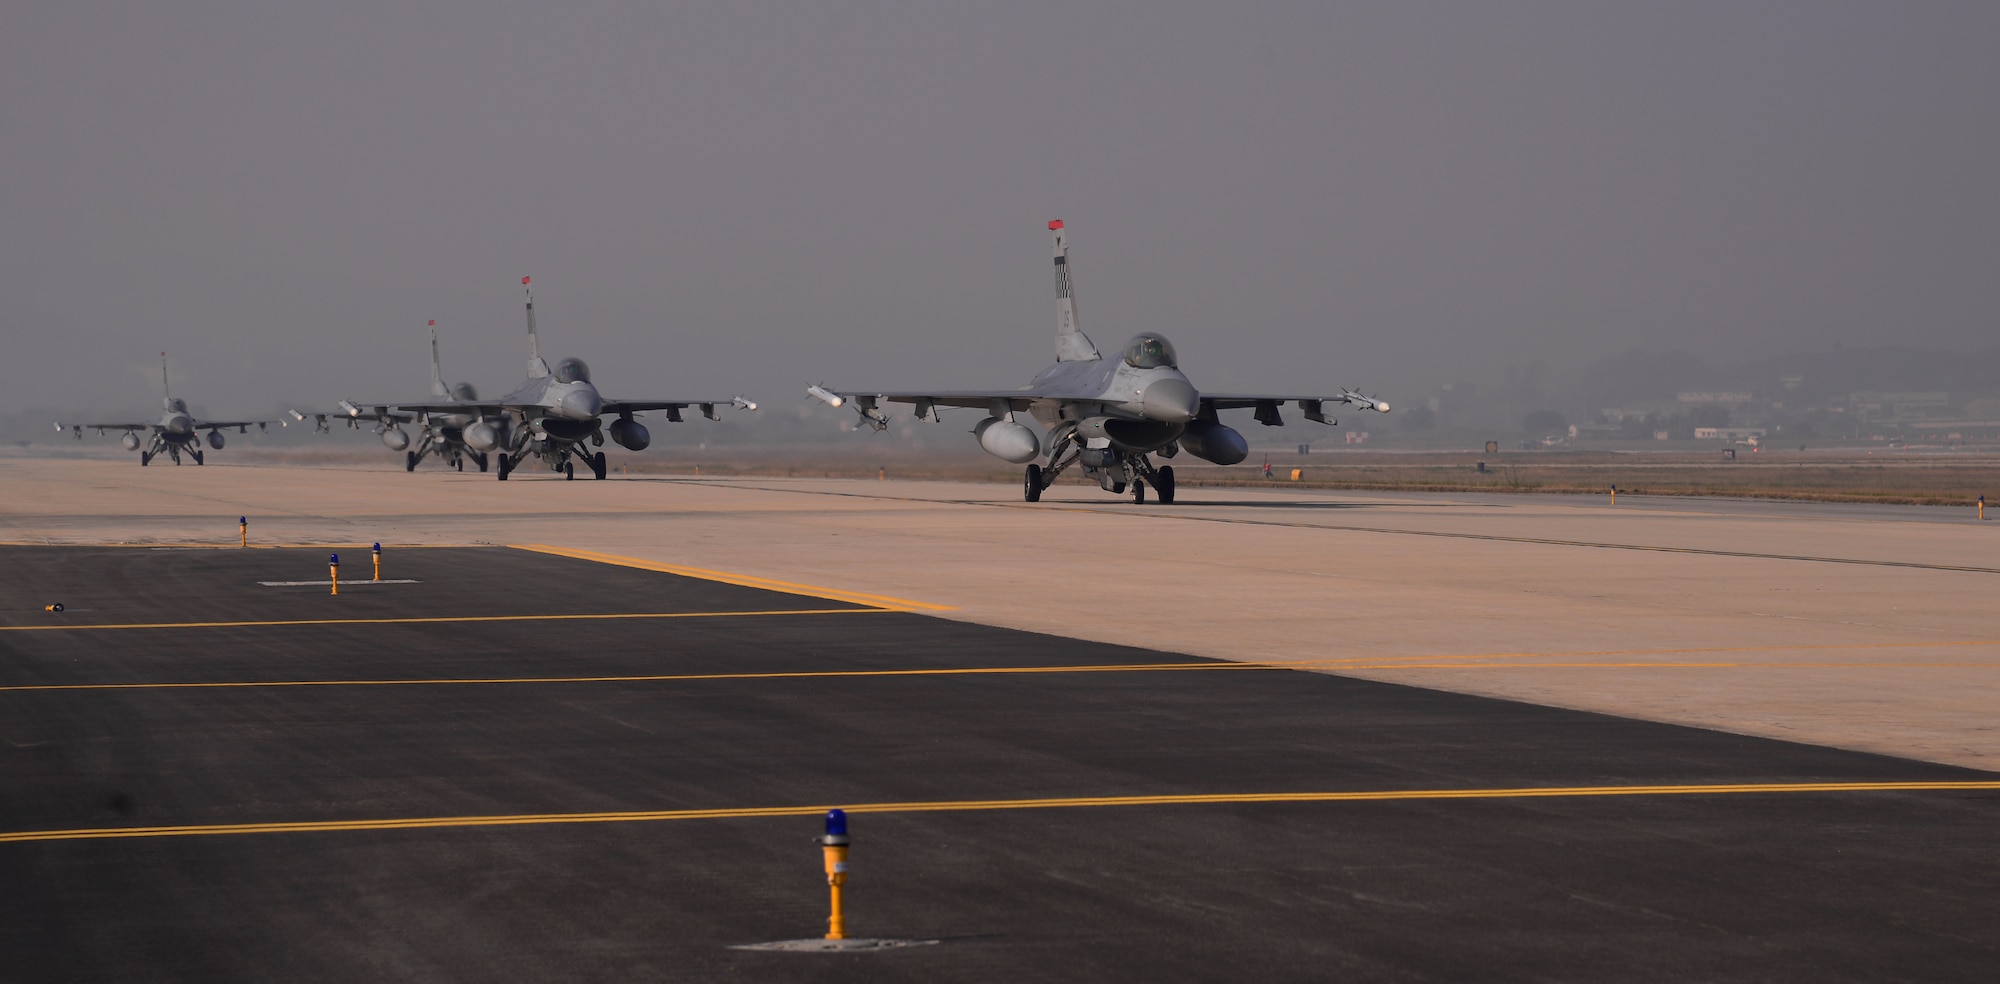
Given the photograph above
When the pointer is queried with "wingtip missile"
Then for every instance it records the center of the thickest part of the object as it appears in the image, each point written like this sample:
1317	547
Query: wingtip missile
350	409
826	396
743	403
1354	397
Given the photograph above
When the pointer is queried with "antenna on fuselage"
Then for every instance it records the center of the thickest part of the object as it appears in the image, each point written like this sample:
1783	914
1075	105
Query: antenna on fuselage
536	367
1072	345
438	387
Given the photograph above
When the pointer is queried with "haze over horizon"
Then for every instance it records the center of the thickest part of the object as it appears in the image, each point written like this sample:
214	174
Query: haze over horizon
732	198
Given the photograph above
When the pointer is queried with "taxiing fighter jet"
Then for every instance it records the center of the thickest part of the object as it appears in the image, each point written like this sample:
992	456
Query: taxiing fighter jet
174	432
1105	416
442	433
554	414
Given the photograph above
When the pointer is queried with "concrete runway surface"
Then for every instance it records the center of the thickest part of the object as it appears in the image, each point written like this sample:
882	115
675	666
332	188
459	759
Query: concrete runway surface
545	765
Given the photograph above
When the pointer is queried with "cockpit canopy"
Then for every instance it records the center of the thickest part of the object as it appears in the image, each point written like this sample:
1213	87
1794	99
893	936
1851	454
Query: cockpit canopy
464	393
176	405
572	370
1150	352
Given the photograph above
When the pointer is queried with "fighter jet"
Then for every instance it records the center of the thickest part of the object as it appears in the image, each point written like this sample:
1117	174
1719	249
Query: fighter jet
1106	417
174	432
440	433
554	413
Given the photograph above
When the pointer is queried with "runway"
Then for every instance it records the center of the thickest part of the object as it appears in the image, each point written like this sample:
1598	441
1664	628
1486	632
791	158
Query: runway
535	764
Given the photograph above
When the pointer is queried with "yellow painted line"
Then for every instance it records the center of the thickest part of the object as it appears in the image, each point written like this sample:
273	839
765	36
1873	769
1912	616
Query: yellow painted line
952	671
955	806
416	620
743	580
665	677
233	545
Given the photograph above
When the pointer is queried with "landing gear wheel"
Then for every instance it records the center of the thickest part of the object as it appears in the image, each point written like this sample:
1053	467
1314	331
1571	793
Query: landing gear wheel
504	468
1163	483
197	456
409	461
598	466
569	471
458	463
1031	484
1138	492
481	461
145	458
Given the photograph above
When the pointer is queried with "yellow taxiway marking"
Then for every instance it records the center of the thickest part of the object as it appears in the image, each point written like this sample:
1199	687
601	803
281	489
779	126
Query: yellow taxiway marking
415	620
340	545
1439	664
744	580
671	677
953	806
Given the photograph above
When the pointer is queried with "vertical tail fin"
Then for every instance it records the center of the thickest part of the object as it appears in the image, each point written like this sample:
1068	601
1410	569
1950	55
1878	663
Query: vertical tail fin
536	367
438	388
1072	345
166	390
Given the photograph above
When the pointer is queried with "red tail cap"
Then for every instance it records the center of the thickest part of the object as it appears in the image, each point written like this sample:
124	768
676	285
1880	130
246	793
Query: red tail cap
1055	224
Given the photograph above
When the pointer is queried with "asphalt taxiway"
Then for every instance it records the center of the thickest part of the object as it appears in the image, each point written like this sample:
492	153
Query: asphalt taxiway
553	764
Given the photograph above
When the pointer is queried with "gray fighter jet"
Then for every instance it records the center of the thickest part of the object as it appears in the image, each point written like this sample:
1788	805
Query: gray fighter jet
438	433
174	432
554	414
1104	416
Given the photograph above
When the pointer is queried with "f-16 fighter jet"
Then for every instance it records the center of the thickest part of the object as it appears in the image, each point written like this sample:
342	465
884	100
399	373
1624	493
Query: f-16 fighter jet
176	430
437	432
1104	416
555	413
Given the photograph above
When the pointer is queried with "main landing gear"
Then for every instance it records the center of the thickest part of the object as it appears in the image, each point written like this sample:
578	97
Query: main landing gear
1117	471
559	462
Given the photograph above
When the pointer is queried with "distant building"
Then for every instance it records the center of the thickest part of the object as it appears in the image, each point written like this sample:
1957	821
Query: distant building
1728	433
1717	397
1880	405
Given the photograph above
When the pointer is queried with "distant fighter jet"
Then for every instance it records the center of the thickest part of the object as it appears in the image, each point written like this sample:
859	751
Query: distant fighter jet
174	432
553	414
1105	417
438	432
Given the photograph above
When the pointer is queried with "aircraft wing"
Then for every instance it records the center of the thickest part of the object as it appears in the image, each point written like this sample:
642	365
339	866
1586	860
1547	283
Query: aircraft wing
1313	407
926	403
486	408
674	407
106	427
239	424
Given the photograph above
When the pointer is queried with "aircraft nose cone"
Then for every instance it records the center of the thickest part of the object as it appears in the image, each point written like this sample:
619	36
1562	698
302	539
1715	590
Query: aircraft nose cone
1170	400
582	404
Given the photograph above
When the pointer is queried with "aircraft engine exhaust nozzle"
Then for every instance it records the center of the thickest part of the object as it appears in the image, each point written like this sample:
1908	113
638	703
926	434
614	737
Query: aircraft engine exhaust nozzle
630	434
582	404
1007	440
1219	443
215	440
130	440
395	437
1171	400
483	436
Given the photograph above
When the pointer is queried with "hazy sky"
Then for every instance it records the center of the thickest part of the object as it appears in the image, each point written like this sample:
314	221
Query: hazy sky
744	196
